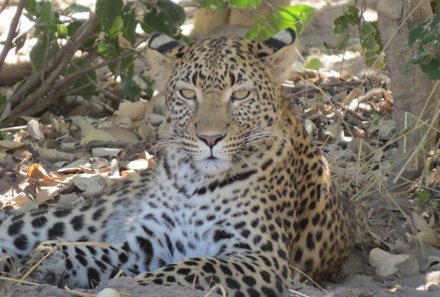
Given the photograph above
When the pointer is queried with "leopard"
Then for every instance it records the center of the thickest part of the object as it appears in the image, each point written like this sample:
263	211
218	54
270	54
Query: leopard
239	196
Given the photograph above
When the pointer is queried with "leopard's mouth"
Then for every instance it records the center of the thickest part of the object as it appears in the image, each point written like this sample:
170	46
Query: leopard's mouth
213	165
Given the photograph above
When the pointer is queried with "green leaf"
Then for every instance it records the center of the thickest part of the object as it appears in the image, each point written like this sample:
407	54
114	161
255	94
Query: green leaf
46	13
3	99
84	86
42	50
62	31
432	69
296	17
213	4
127	66
132	90
107	11
73	26
102	48
19	42
428	52
75	8
313	63
116	28
342	25
111	52
244	3
415	34
149	89
422	196
421	58
30	6
261	30
130	23
370	42
166	17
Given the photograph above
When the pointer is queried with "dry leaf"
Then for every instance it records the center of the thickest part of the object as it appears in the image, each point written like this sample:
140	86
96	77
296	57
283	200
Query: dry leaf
145	130
8	145
75	166
34	129
48	193
90	184
114	168
385	263
5	158
336	131
22	155
432	279
122	135
38	172
99	164
127	173
134	110
422	221
435	177
121	121
97	135
139	164
83	123
123	42
353	94
396	288
54	155
154	119
430	237
21	200
105	152
107	292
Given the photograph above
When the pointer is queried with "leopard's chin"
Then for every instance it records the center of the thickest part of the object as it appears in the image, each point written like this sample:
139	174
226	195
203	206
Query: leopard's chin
213	166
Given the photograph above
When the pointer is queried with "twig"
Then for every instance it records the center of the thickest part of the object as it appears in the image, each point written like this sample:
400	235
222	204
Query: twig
11	279
12	31
53	65
10	129
32	96
59	89
299	90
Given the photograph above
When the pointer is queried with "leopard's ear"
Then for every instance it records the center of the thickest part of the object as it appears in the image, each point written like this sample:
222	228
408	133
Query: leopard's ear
162	54
278	53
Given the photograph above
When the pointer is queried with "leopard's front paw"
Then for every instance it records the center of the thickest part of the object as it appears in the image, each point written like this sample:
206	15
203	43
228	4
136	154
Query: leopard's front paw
48	264
7	265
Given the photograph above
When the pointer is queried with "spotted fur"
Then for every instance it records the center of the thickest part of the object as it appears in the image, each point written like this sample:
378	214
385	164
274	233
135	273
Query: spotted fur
238	196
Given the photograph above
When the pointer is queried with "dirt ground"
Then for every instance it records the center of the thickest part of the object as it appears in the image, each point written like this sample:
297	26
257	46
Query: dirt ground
406	268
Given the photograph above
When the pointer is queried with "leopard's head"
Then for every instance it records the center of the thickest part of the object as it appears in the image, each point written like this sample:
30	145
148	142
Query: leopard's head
222	94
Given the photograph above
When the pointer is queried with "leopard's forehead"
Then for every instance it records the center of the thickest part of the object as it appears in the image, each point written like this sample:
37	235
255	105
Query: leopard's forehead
223	47
218	63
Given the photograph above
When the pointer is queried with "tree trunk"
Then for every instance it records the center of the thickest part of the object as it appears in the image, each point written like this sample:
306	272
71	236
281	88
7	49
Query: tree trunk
416	98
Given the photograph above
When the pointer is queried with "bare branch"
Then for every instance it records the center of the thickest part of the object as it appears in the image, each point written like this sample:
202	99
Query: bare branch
12	32
35	87
38	78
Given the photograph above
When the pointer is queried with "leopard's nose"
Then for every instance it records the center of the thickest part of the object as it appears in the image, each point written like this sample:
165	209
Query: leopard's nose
211	140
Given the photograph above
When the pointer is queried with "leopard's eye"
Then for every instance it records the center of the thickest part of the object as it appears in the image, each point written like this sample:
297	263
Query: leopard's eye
240	95
187	94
